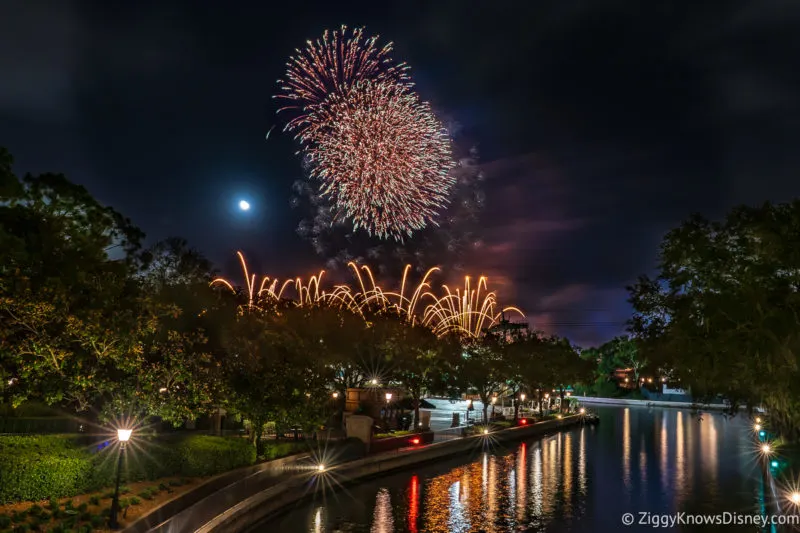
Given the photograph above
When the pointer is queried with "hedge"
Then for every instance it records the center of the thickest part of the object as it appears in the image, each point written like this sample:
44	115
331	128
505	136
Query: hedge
44	466
41	466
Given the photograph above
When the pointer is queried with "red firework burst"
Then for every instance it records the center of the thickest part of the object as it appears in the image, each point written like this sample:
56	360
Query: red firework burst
382	158
331	66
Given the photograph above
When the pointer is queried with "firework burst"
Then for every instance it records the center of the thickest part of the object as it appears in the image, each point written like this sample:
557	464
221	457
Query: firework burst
331	66
458	233
469	311
377	153
382	158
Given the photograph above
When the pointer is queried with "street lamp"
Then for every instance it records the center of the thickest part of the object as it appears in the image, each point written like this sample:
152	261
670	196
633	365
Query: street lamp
123	436
335	395
388	397
374	381
795	497
522	397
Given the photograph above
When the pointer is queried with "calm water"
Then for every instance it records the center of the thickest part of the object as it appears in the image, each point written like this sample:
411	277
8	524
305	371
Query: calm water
638	459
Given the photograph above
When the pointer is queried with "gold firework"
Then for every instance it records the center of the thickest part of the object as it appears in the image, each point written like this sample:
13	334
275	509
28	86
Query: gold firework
468	311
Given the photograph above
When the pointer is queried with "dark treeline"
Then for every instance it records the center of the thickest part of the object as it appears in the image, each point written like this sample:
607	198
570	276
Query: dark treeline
93	322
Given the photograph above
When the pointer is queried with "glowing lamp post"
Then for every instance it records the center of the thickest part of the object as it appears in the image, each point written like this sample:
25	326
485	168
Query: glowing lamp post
795	498
386	411
335	395
123	436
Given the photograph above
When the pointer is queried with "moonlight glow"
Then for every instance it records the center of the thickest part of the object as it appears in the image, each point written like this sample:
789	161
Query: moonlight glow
244	205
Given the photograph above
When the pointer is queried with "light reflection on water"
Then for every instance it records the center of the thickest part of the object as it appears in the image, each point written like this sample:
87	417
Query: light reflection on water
637	459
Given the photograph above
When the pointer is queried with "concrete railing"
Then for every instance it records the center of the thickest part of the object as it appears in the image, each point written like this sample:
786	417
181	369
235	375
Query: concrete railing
259	507
650	403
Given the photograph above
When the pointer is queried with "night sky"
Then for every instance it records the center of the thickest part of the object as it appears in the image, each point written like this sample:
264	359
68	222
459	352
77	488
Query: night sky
600	124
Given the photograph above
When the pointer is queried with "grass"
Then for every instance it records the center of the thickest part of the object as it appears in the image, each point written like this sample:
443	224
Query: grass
402	433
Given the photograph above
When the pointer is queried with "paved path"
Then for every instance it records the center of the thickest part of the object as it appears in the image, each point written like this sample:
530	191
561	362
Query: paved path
198	514
442	416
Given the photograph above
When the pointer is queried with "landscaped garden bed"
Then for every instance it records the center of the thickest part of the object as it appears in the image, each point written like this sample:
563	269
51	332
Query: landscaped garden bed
89	512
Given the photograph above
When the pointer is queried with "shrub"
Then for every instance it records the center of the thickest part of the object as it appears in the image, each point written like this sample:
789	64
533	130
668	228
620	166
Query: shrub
35	510
51	466
202	455
40	466
270	450
5	522
135	500
21	528
146	494
94	500
97	520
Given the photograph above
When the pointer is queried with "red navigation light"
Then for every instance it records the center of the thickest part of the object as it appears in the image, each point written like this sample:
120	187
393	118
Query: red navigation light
523	421
415	440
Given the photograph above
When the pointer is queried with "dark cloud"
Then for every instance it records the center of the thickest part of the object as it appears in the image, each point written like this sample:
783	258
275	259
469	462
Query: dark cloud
39	57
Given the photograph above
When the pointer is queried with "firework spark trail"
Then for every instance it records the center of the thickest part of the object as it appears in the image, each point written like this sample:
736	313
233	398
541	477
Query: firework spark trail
306	293
382	158
331	66
468	312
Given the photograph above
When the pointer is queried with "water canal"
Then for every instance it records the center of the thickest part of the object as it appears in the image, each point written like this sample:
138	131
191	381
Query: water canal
638	459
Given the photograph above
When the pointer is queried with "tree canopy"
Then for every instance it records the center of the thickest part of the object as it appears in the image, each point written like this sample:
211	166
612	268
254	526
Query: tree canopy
722	313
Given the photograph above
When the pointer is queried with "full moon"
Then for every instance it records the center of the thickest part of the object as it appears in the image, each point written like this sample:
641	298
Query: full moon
244	205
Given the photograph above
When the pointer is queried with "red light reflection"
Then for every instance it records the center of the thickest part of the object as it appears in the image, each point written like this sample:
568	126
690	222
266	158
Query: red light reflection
413	504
